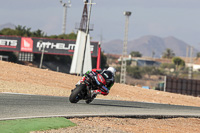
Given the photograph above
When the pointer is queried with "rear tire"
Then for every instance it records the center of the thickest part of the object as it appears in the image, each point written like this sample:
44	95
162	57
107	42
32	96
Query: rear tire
75	95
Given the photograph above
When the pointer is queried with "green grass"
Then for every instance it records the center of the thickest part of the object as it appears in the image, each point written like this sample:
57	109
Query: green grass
27	125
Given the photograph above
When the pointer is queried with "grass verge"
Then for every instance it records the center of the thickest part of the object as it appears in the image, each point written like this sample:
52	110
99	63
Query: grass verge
37	124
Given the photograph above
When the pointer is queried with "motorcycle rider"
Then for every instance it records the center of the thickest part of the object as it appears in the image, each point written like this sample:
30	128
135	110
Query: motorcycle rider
108	75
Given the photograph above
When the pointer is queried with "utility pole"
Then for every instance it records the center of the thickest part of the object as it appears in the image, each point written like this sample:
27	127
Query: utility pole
190	73
187	54
65	5
42	55
123	59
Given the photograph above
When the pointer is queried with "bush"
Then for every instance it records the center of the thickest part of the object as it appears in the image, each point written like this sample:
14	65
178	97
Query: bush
134	72
117	78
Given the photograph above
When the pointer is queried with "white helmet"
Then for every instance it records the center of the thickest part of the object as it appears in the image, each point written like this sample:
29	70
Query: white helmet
112	69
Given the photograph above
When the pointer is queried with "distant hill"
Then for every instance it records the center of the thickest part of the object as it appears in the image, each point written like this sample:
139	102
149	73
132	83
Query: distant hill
7	25
147	44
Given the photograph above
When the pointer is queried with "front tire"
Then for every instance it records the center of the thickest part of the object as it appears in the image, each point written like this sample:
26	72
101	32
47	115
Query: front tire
76	93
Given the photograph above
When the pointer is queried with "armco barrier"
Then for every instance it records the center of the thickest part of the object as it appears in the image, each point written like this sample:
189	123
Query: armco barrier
182	86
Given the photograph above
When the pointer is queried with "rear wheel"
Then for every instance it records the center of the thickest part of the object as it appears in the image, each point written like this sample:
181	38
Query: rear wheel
76	94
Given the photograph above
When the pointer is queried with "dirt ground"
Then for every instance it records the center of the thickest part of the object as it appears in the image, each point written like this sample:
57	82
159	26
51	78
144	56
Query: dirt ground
129	125
29	80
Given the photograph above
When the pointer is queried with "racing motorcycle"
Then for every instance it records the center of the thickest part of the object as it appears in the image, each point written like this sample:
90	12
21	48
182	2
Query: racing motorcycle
83	89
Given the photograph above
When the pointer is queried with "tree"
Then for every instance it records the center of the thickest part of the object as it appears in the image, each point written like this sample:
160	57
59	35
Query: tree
168	53
72	35
178	62
134	72
23	31
136	54
7	31
38	33
148	70
198	55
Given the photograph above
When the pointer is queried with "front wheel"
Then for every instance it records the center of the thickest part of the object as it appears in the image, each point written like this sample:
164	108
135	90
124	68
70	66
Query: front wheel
76	93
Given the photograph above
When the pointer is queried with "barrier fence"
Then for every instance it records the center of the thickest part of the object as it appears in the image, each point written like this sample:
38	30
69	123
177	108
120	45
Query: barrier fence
182	86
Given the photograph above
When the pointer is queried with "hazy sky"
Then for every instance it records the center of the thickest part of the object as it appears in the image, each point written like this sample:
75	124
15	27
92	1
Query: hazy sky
178	18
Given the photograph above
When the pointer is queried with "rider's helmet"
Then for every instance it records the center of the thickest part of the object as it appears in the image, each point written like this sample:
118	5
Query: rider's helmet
112	69
108	74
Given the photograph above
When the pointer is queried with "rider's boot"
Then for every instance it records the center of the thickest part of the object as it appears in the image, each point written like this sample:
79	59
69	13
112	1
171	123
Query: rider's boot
93	95
95	92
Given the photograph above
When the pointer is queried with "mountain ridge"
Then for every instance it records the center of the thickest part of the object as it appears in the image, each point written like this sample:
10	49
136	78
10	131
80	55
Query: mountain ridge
147	45
7	25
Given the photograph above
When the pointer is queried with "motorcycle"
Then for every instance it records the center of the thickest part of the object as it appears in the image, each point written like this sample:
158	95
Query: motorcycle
82	91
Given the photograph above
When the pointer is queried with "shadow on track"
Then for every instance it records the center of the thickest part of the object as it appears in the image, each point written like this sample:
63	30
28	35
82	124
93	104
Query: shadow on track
114	105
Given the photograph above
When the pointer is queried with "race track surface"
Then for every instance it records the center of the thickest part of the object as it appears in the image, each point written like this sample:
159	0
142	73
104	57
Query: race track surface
15	106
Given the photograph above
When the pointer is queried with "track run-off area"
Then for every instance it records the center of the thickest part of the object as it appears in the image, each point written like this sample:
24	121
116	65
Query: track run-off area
17	106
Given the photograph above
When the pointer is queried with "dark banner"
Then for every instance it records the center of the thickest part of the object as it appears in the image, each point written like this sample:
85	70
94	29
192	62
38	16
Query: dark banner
36	45
64	47
182	86
10	43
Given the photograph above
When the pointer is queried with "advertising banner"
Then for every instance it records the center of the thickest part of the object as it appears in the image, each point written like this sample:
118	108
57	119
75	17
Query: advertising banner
10	43
36	45
63	47
26	44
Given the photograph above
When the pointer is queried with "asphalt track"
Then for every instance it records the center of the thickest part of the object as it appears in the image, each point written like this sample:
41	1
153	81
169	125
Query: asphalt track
16	106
